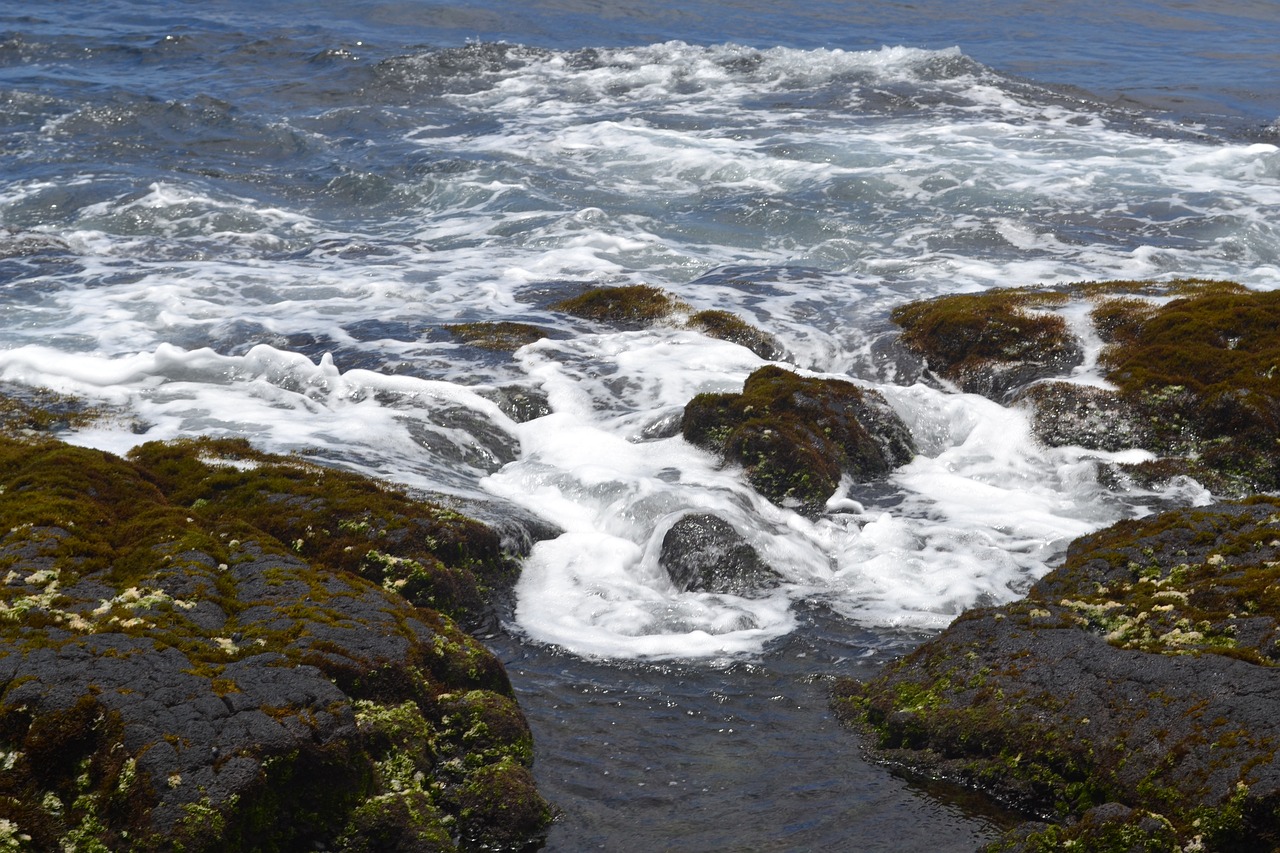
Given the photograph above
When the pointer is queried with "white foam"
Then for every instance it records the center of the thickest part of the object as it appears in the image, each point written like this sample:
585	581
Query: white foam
842	183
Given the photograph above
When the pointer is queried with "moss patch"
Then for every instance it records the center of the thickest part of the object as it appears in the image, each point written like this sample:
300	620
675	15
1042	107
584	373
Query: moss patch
796	436
1141	673
198	652
641	306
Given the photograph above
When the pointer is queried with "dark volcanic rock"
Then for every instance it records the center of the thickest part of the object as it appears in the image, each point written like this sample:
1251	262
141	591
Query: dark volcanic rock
1065	413
176	676
796	436
704	553
1140	673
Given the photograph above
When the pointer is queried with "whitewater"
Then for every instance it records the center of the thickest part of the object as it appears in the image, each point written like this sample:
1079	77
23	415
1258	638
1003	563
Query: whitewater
207	230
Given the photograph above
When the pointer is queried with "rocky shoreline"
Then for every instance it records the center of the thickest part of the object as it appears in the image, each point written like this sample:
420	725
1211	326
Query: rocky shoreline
211	648
1130	701
206	648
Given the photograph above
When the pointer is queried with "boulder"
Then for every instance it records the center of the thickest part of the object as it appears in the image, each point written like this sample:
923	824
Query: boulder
191	660
704	553
1140	676
797	436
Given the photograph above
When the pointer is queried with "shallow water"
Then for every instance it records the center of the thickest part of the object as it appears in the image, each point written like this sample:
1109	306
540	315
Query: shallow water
241	220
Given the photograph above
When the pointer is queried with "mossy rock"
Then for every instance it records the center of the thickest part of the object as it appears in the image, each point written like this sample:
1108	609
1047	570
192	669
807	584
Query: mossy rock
191	661
427	552
641	306
504	336
636	306
1142	673
730	327
991	343
1194	365
797	436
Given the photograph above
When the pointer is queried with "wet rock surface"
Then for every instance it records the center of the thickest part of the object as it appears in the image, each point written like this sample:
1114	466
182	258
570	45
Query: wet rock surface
704	553
641	306
797	436
1193	367
191	660
1140	674
1130	701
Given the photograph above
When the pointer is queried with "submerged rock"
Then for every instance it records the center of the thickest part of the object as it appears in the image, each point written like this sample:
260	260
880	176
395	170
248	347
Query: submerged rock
1141	674
502	336
640	306
703	553
192	661
797	436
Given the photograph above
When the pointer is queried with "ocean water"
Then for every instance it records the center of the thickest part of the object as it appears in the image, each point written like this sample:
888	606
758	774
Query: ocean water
256	219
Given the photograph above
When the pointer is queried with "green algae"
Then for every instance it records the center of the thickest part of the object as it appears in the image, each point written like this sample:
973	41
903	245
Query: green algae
797	436
1195	365
641	306
146	552
503	336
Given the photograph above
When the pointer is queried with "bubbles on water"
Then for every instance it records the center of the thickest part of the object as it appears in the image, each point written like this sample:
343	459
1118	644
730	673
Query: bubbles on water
299	296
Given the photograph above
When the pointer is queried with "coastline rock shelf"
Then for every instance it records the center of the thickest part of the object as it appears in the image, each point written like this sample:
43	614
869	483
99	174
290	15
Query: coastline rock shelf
1132	700
208	648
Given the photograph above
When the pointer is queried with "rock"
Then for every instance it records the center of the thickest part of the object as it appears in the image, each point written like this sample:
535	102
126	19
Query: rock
1142	673
991	343
641	306
703	553
729	327
1065	413
501	336
189	660
798	436
518	402
1195	366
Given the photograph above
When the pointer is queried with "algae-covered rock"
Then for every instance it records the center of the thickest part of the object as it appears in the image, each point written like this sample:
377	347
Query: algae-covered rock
1194	367
641	306
190	661
991	343
1141	673
426	552
730	327
635	306
1203	370
504	336
797	436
